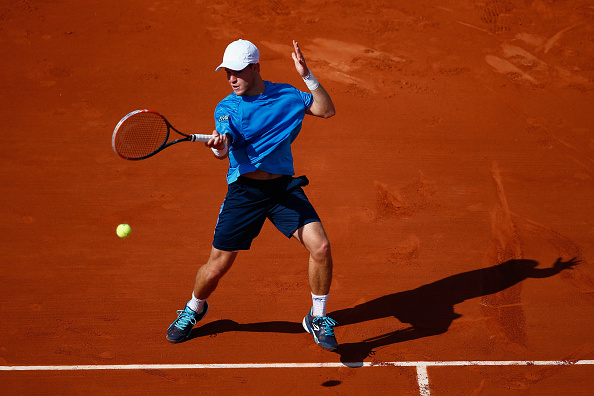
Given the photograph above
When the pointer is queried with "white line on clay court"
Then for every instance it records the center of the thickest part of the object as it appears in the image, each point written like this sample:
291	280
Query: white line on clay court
422	375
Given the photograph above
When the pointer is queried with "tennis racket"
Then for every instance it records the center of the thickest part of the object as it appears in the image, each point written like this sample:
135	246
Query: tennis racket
143	133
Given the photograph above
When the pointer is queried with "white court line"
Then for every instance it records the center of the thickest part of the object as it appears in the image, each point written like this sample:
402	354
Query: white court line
423	380
422	375
176	366
297	365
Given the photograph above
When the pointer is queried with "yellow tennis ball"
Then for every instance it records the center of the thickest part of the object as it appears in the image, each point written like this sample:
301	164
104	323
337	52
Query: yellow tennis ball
123	230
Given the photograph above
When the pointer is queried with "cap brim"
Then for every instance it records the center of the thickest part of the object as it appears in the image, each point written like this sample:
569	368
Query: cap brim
232	66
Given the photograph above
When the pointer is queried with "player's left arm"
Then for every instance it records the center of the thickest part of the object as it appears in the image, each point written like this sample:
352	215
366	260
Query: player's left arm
322	105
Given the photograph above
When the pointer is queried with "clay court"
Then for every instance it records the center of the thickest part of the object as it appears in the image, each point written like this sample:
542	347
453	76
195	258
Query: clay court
455	184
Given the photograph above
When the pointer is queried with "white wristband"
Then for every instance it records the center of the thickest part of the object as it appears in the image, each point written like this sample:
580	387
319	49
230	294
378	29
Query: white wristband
220	153
311	82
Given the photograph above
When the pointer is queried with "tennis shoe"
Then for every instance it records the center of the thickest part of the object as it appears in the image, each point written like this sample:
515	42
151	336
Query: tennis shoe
181	328
322	329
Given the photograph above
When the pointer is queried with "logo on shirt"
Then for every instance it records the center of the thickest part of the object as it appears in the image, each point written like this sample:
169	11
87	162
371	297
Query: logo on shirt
224	118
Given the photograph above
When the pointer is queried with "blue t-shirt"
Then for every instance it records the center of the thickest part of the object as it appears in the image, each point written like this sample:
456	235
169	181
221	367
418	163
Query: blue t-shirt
262	128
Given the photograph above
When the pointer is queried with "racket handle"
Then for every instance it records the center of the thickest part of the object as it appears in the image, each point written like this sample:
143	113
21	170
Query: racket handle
200	138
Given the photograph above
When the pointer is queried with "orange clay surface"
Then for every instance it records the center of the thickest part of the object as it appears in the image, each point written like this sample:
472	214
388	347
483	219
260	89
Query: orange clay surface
458	170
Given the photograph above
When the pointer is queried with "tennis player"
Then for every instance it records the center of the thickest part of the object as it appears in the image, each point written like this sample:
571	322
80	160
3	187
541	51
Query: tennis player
255	126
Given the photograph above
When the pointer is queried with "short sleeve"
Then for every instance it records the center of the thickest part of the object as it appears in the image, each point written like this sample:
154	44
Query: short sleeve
306	97
224	122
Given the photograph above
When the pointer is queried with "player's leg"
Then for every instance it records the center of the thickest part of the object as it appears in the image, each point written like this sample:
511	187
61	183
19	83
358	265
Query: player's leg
314	238
207	279
295	216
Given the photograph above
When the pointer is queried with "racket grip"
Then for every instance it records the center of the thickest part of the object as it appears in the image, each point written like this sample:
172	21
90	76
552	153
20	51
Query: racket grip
200	138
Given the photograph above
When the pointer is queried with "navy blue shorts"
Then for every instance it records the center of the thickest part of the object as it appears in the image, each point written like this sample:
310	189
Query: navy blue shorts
250	202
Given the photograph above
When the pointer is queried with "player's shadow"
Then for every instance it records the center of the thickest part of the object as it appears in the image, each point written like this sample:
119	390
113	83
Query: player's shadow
429	309
217	327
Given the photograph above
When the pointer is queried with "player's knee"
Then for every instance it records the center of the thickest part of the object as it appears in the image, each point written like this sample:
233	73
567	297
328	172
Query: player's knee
214	270
212	274
321	251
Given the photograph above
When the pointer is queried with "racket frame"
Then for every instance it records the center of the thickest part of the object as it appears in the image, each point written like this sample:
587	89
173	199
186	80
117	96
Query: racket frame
165	144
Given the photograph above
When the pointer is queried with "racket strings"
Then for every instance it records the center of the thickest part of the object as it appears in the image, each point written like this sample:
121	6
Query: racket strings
141	135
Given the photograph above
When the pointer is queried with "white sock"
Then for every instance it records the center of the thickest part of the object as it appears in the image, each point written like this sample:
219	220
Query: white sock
195	304
319	304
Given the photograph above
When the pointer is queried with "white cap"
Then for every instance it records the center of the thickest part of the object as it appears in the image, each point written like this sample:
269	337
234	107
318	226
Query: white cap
238	55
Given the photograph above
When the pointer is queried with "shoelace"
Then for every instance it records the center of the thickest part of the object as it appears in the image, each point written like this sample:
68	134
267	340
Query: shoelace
184	319
327	323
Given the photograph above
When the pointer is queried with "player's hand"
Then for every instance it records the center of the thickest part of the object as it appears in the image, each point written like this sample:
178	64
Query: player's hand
299	60
218	141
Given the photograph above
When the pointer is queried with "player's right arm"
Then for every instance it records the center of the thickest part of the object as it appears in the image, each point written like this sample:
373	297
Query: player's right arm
219	144
223	135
